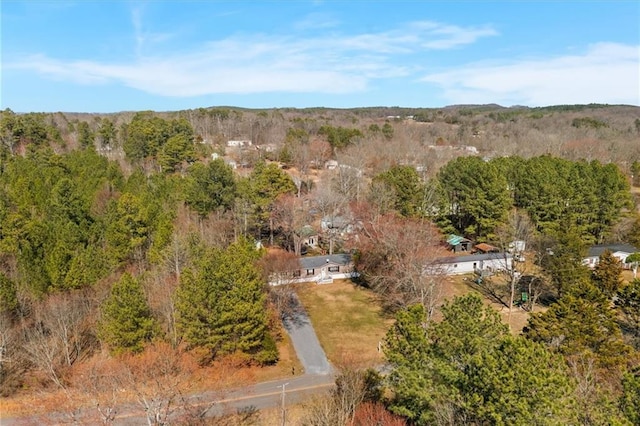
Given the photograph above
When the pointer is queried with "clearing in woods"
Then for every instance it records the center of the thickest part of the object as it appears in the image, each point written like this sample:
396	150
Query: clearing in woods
350	323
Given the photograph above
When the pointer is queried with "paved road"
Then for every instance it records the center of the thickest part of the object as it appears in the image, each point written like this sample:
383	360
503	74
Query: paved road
317	378
259	396
305	342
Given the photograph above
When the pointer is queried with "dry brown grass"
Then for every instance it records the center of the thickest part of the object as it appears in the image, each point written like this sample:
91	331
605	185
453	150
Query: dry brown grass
226	373
460	285
348	321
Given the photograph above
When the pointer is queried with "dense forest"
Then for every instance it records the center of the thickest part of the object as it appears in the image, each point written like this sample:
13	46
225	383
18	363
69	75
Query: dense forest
123	232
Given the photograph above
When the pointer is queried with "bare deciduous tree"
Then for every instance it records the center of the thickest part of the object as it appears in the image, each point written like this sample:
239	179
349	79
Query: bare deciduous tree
159	378
513	238
399	258
290	215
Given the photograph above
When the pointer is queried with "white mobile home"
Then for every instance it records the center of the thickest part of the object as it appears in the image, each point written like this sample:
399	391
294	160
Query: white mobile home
475	263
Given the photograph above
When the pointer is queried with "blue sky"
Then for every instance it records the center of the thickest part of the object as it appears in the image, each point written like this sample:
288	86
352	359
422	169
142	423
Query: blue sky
109	56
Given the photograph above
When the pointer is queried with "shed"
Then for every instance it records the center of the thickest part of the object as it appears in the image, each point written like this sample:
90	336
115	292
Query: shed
486	248
458	243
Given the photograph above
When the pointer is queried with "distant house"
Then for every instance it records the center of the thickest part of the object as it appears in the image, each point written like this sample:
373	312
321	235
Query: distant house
238	143
340	224
475	263
320	269
309	236
619	251
458	243
268	147
331	165
517	246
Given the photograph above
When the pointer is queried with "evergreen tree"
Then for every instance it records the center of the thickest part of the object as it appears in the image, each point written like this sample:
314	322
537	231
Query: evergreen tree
630	399
581	323
128	226
107	131
260	190
469	370
520	382
126	323
8	296
175	151
85	135
430	362
406	187
222	306
210	187
628	303
563	260
607	274
474	197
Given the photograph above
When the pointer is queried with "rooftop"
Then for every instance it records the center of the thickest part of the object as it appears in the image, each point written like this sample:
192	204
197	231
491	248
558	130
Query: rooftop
596	251
318	261
474	258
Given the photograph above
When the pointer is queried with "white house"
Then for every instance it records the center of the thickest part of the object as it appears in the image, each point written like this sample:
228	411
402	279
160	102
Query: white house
340	224
475	263
320	269
238	143
331	165
619	251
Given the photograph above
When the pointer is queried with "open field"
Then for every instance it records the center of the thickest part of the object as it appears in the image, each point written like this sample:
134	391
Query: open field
348	321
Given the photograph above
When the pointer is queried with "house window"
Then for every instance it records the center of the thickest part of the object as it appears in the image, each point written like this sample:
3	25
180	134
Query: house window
474	265
310	271
455	265
296	274
334	268
311	241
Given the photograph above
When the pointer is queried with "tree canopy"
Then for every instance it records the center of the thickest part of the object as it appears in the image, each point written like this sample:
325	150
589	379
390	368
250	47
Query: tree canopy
468	369
221	304
126	323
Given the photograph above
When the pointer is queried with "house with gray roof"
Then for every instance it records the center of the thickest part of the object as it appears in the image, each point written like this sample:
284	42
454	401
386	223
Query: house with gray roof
320	269
474	263
620	251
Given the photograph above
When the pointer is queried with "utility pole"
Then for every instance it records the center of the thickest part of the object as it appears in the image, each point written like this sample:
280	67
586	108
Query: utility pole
283	409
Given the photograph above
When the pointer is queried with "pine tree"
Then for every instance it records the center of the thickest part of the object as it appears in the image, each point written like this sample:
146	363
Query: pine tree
607	274
630	400
582	323
222	305
126	323
520	382
467	369
628	302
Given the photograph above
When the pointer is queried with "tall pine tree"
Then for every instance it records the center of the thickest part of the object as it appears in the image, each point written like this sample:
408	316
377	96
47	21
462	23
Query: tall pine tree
126	323
222	305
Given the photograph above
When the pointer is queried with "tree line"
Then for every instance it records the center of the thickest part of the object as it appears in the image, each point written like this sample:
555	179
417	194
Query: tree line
160	246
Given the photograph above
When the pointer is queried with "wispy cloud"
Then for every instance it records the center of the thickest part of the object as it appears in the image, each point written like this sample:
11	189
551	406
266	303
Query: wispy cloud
141	35
263	63
606	72
316	21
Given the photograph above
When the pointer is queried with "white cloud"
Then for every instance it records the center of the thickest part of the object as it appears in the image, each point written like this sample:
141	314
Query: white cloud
262	63
316	21
605	73
141	35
